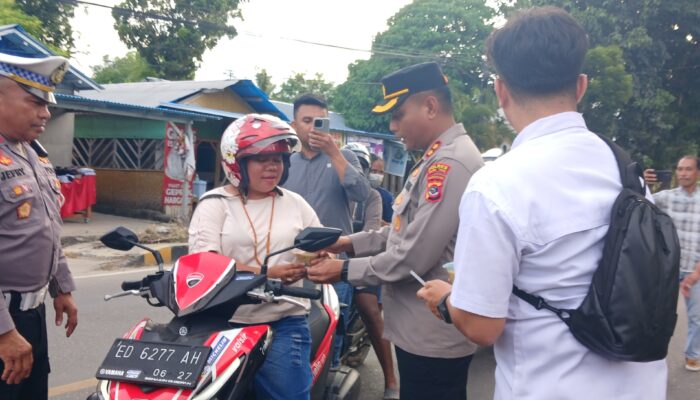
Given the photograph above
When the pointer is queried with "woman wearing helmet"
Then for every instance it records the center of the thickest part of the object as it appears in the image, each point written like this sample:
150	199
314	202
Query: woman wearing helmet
249	218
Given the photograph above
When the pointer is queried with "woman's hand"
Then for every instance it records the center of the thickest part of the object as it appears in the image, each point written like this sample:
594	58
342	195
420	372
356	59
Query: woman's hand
287	273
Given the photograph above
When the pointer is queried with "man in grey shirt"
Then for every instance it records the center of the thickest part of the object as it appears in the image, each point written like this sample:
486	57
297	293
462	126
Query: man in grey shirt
327	178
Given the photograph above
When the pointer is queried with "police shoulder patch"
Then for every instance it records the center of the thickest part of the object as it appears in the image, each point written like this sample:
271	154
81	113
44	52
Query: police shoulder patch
437	173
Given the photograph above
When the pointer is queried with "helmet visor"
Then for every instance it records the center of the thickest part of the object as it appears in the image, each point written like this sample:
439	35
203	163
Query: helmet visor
273	145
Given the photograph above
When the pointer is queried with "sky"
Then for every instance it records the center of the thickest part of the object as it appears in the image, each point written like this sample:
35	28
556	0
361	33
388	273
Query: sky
263	39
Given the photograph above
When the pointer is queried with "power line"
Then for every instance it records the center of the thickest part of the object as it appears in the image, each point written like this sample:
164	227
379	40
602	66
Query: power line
384	50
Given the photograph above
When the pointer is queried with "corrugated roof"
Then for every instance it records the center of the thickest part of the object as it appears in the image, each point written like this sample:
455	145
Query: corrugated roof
337	122
161	93
86	104
202	110
16	41
153	93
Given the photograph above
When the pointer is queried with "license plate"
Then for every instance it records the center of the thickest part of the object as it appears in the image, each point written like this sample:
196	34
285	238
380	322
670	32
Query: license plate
154	364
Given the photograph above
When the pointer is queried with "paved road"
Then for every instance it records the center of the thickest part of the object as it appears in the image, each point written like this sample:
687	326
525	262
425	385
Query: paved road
75	360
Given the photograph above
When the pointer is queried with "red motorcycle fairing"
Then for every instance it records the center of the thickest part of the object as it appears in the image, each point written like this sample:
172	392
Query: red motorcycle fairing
198	277
324	349
228	347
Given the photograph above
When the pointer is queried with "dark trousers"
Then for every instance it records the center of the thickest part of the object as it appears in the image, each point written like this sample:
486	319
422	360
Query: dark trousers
432	378
31	325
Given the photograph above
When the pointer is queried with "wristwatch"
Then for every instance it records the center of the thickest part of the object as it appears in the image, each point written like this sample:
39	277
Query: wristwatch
344	271
443	310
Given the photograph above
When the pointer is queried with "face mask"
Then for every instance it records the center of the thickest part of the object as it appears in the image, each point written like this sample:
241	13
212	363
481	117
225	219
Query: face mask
376	179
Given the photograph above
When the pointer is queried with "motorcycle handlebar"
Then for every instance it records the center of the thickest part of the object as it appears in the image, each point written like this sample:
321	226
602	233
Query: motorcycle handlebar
300	292
132	285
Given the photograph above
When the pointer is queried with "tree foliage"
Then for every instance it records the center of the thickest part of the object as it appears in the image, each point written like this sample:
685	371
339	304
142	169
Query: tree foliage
11	13
298	84
660	52
172	35
130	68
450	32
55	16
264	82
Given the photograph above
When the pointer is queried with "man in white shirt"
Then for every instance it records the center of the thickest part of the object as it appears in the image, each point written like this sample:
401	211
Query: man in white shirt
537	218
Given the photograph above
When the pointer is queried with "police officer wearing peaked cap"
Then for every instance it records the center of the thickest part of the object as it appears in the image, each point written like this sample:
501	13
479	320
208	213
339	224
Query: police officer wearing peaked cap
433	359
32	263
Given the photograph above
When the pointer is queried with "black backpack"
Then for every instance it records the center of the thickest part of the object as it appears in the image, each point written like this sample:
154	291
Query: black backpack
629	313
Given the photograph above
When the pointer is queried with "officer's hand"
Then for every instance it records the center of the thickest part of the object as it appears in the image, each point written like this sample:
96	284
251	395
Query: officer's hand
342	245
432	293
16	354
64	303
323	142
326	271
287	273
650	176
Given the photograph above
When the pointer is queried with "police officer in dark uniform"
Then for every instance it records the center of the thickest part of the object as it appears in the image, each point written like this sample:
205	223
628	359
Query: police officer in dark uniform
32	263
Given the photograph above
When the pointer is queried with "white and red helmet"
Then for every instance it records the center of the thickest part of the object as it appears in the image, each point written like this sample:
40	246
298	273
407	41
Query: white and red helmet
255	134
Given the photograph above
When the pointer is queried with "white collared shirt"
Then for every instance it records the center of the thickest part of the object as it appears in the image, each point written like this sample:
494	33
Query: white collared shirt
537	218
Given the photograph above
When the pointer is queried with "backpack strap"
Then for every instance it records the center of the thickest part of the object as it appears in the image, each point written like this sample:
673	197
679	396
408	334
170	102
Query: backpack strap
630	171
540	303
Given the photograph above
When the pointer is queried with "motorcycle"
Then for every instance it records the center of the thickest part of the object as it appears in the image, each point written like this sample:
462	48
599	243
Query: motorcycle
199	354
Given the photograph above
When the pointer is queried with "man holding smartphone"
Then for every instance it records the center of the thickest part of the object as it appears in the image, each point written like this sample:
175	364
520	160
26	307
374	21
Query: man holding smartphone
683	205
327	177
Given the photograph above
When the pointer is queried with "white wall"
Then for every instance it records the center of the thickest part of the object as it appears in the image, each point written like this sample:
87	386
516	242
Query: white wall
58	137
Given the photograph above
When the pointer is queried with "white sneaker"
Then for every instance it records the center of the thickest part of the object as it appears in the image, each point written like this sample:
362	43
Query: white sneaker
692	365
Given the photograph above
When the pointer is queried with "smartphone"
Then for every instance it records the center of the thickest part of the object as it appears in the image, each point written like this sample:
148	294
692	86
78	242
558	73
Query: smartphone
322	125
664	176
418	278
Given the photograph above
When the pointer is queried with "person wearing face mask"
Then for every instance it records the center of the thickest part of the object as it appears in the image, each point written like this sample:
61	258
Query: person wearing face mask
249	218
367	214
368	299
376	178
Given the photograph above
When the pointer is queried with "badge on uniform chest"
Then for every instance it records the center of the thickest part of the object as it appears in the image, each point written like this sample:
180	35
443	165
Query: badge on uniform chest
4	159
24	210
20	190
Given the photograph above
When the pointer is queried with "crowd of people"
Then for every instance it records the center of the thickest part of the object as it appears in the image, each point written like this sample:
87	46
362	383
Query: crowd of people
536	218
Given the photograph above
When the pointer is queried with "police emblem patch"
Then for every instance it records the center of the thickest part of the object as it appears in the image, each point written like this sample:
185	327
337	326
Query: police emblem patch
437	173
4	159
17	191
24	210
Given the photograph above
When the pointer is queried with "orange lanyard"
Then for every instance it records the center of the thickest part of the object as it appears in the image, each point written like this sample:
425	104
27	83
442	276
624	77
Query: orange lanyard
255	235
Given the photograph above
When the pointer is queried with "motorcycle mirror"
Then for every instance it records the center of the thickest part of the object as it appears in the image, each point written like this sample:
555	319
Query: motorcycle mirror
120	238
310	239
315	239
